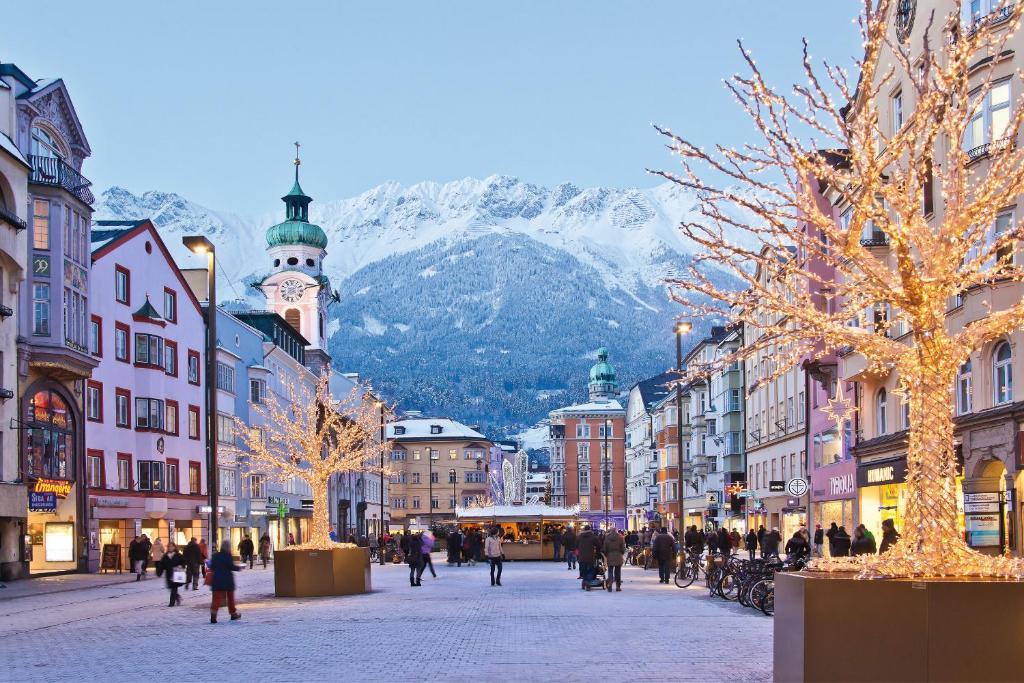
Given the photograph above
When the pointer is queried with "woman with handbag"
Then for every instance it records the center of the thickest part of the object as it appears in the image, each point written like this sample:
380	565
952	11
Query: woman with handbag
172	564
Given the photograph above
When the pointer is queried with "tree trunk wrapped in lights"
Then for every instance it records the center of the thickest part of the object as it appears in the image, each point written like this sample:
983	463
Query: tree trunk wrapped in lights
313	436
763	222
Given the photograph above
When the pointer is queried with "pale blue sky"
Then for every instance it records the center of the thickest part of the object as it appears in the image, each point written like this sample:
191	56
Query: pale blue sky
205	98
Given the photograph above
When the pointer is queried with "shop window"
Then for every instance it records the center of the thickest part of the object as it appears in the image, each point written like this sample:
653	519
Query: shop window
1002	368
60	542
49	436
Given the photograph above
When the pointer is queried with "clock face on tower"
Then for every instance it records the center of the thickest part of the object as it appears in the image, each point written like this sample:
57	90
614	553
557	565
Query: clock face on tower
291	290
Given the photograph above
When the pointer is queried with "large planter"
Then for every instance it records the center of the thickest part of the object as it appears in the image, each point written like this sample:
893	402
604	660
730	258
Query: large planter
312	573
838	628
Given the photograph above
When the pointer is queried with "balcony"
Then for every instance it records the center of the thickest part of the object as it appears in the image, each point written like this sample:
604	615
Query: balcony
981	151
58	173
9	217
875	239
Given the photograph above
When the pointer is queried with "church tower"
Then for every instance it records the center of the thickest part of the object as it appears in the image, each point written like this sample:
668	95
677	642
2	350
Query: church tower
297	288
603	383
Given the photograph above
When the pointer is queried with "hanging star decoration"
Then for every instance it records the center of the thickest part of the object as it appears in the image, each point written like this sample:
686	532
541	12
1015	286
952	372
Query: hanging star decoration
840	410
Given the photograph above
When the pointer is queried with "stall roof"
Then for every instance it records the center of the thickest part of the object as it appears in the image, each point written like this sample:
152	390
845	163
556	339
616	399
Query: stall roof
537	510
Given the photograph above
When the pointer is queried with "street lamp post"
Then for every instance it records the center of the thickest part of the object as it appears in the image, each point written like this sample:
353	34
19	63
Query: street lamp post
682	327
606	481
430	489
380	531
198	244
454	476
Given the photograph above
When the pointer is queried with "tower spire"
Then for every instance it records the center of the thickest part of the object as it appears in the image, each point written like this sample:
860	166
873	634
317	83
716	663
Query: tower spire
297	161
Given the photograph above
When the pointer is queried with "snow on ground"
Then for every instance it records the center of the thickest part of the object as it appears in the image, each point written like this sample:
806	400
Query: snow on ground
534	437
373	326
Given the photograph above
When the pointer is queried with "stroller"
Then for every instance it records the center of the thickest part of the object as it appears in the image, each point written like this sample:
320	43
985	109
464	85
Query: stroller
600	569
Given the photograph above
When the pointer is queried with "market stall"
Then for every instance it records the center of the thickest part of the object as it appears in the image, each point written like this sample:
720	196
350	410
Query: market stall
528	529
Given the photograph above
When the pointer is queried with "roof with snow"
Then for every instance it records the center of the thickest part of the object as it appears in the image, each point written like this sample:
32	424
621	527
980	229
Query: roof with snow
431	429
655	388
610	406
532	510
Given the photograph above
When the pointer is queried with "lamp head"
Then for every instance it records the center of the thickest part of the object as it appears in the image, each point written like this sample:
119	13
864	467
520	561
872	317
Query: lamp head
197	244
684	327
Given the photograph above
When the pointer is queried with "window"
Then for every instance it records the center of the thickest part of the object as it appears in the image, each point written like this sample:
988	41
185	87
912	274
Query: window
928	191
434	454
433	477
897	112
225	482
880	413
257	390
905	414
193	422
257	486
170	305
435	429
149	413
1002	368
193	367
434	503
225	429
171	417
94	401
964	399
415	455
41	224
610	429
415	477
121	332
800	408
151	475
122	407
584	480
195	479
94	470
149	350
122	285
735	401
171	358
41	309
583	452
989	122
173	485
398	455
452	454
584	503
124	472
225	377
415	502
582	430
475	477
1003	252
453	476
96	336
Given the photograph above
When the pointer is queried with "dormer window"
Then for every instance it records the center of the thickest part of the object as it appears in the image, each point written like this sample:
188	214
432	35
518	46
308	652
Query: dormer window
45	145
399	430
435	429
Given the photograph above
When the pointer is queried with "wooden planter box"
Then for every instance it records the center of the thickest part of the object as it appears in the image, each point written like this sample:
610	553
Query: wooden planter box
312	573
837	628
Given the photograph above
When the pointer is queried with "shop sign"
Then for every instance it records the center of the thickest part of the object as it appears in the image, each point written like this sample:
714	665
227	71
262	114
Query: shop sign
877	474
982	530
797	487
205	509
170	529
986	497
745	494
42	502
104	502
840	485
258	513
776	486
981	507
307	503
138	527
712	498
59	487
41	265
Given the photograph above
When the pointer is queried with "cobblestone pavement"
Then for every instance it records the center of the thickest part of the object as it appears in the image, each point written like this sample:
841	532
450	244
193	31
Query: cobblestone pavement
538	626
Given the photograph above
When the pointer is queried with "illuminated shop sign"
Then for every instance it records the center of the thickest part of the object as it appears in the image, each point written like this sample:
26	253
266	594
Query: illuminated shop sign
59	487
879	473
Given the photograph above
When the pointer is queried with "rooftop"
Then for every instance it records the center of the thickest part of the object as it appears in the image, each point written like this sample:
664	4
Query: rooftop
420	428
609	406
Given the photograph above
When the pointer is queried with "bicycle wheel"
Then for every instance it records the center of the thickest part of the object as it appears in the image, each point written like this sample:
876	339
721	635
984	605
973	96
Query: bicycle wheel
768	601
728	587
714	576
685	575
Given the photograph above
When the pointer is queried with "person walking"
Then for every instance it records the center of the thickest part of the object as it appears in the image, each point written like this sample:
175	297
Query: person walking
702	539
156	552
474	547
264	549
863	543
172	564
193	558
246	551
204	555
751	543
889	535
712	540
223	583
455	547
760	538
840	543
724	542
569	543
819	539
833	530
770	543
492	549
664	553
426	547
556	544
691	539
414	557
374	544
586	549
796	548
615	555
735	540
135	557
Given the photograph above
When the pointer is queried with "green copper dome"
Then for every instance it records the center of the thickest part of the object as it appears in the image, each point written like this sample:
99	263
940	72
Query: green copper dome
296	229
602	371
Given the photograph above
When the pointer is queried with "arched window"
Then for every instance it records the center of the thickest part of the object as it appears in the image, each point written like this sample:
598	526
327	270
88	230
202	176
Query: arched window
292	317
49	436
45	144
881	401
964	389
1002	369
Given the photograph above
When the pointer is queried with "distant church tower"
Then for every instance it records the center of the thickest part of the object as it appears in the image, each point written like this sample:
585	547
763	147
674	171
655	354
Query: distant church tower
297	288
603	385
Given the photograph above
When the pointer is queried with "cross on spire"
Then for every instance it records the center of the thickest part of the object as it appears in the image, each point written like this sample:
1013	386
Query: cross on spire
297	160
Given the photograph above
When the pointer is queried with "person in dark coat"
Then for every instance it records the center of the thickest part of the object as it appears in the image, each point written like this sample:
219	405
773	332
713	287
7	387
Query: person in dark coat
770	543
690	539
664	550
556	544
796	548
247	551
223	586
751	543
702	539
889	535
614	547
133	558
840	544
171	560
455	548
724	542
569	543
475	541
760	538
586	548
193	558
831	535
712	539
863	544
819	539
414	556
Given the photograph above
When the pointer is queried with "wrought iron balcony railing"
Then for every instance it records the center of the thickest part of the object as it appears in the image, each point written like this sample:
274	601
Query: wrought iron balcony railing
11	218
58	173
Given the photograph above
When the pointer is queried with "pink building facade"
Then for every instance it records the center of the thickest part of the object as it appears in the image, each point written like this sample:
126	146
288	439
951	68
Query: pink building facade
144	405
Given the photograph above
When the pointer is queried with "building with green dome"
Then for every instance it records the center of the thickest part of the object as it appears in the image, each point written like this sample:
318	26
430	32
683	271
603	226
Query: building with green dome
603	383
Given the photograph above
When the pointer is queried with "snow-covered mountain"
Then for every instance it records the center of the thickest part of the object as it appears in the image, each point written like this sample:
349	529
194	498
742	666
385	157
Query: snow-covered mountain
484	299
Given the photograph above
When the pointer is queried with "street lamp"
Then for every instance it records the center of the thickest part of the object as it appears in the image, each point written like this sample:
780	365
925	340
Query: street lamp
682	327
198	244
606	481
453	477
380	531
430	490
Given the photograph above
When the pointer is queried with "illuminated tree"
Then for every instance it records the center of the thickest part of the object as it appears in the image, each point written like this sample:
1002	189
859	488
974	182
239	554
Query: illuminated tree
761	217
313	436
